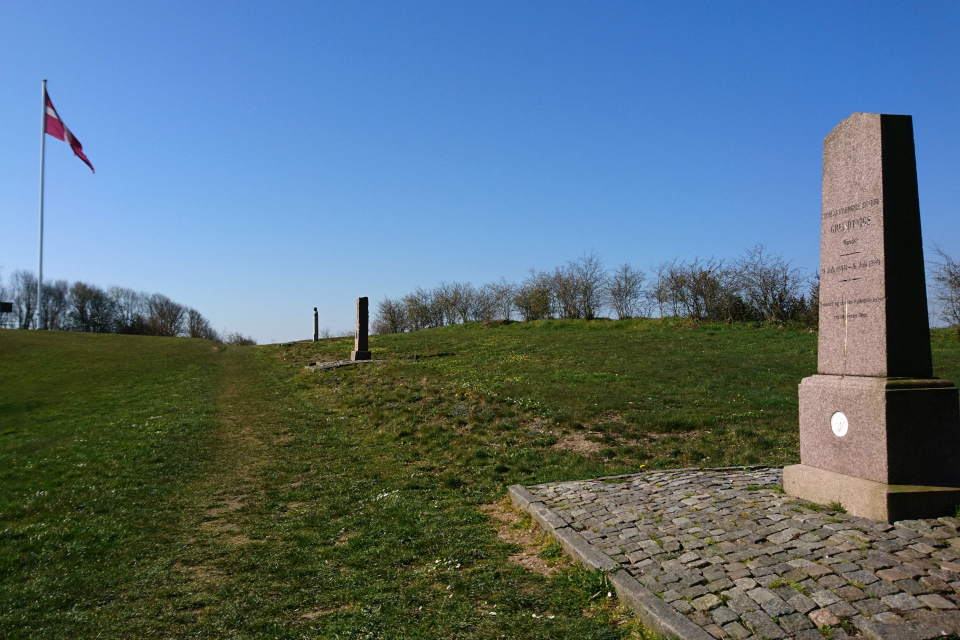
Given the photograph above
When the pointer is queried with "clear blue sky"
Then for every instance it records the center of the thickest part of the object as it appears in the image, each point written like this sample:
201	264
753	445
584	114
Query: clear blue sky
255	160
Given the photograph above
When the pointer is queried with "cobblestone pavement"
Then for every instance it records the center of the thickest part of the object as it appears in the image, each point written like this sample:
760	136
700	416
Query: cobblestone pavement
727	549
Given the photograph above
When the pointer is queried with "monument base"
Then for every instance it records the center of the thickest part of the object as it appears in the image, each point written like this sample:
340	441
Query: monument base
359	355
897	431
869	499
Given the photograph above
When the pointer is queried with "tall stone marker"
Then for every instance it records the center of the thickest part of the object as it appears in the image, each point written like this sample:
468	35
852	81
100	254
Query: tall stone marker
361	345
878	433
316	325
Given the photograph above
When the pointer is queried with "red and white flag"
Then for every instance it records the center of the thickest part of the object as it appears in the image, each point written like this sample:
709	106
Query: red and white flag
55	127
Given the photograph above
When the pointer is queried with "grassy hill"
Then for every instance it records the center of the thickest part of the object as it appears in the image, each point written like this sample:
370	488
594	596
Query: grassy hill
154	487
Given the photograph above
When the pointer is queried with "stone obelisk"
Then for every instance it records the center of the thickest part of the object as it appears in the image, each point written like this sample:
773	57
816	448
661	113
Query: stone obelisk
361	346
878	433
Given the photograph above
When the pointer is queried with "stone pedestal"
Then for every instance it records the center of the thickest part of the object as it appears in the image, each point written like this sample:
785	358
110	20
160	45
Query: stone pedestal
868	499
896	429
878	433
361	348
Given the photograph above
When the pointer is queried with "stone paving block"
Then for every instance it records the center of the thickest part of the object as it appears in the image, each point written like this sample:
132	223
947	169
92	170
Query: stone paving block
682	606
723	615
832	581
880	588
802	603
911	570
785	535
824	618
694	592
817	570
794	623
944	574
670	595
784	592
892	575
719	585
714	573
756	619
870	606
730	594
688	557
794	575
843	609
886	617
863	577
824	598
768	580
706	602
911	586
902	602
736	630
931	583
771	632
850	594
935	601
770	602
715	631
745	583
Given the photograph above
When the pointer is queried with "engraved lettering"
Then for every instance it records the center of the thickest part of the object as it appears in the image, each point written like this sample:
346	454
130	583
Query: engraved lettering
851	208
853	223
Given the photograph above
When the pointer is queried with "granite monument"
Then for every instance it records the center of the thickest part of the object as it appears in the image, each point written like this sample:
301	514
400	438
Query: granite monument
878	433
361	346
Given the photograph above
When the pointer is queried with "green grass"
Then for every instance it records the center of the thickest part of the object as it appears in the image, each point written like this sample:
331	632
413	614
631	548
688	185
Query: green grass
175	488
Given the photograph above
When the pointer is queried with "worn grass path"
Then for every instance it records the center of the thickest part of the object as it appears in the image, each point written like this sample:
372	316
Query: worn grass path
203	492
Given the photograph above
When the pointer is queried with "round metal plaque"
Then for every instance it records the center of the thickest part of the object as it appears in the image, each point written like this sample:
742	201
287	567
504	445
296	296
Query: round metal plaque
839	424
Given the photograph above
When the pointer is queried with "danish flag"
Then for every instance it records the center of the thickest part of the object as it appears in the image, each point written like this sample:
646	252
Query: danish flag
55	127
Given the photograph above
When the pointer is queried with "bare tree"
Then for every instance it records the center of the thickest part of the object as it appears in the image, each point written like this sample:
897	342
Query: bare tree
24	290
534	297
484	303
91	309
659	292
503	293
239	340
589	279
56	305
706	289
563	290
164	316
391	317
625	291
4	297
946	287
200	327
457	300
130	310
770	284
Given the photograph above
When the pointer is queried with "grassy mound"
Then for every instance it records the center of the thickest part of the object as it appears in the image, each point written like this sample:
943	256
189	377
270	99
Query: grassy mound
155	487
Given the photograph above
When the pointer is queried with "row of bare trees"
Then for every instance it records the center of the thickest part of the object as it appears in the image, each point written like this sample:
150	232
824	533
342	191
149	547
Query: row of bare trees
88	308
757	286
945	277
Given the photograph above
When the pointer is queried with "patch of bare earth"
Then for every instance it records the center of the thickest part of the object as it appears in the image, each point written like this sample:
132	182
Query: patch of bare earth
578	443
316	613
513	528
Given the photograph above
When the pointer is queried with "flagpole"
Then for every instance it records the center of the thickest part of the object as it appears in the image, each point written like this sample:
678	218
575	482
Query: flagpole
43	141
